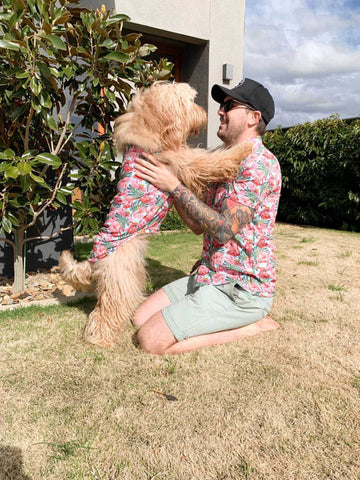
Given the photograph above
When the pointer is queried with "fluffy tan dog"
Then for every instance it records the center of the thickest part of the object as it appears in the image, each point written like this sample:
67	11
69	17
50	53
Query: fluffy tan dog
158	120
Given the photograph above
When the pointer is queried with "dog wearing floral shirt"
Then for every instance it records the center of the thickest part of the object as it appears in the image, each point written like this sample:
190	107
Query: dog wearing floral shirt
159	120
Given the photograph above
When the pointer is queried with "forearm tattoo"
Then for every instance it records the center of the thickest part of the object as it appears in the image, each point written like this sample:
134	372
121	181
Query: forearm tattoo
220	225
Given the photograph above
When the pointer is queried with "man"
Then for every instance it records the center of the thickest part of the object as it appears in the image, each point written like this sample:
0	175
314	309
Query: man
231	291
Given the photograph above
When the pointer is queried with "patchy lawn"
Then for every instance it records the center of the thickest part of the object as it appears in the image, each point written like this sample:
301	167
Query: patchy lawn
280	405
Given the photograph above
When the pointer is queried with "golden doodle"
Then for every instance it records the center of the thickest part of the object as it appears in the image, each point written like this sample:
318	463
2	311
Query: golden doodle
159	120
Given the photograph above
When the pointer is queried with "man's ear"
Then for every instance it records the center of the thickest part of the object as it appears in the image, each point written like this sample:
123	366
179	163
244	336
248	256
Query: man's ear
254	117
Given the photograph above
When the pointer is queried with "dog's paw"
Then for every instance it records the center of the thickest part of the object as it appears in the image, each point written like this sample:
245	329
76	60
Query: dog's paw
241	151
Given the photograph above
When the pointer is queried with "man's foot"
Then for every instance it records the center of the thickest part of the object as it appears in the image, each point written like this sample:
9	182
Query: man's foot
267	323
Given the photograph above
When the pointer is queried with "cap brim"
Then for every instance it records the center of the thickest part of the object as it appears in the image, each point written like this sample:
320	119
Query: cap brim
218	93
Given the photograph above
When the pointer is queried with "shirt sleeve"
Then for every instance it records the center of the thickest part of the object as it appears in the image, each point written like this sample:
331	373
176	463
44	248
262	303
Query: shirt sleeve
251	186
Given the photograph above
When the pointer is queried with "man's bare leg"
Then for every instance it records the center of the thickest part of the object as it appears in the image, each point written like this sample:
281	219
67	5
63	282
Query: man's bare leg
153	304
218	338
156	337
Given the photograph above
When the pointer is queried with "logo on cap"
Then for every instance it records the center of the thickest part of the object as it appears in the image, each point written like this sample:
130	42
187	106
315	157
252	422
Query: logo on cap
240	83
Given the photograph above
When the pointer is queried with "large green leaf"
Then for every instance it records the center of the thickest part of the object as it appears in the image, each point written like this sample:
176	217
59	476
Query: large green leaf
24	168
37	179
22	74
56	42
7	154
6	225
49	159
12	172
8	45
117	19
51	122
44	99
117	57
35	86
25	182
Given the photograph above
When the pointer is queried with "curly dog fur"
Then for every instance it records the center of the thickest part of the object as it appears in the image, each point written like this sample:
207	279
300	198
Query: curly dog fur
159	119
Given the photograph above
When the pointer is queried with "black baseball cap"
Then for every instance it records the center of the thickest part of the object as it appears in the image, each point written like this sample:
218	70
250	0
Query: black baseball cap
250	92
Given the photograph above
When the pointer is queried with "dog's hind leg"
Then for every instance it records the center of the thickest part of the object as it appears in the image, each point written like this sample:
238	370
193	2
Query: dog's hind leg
120	283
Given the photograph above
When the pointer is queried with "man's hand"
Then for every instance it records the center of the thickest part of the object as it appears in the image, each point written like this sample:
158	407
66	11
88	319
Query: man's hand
200	218
156	172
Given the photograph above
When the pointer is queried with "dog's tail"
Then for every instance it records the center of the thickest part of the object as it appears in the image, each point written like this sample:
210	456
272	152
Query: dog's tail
77	274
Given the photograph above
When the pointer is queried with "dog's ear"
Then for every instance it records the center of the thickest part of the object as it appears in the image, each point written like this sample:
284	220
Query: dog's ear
176	113
160	117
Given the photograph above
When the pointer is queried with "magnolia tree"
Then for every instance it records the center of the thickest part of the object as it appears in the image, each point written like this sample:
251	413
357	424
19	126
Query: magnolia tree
65	73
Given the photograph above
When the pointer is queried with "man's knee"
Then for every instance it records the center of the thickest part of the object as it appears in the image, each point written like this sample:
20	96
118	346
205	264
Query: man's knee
155	336
149	344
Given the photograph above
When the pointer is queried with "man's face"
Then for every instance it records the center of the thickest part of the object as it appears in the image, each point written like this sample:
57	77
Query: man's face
233	124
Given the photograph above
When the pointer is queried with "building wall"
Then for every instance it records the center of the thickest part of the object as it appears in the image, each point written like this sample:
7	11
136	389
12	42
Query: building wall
211	33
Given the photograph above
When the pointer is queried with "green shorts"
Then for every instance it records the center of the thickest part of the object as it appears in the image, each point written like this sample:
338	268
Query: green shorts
210	308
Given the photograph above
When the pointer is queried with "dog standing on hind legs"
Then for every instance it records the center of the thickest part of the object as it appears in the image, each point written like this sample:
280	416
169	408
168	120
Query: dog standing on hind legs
159	120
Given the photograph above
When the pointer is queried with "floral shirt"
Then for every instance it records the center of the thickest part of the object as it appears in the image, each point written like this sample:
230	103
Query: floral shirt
138	207
248	258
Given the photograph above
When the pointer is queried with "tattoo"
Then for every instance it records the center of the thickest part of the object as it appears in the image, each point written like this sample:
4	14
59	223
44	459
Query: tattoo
223	225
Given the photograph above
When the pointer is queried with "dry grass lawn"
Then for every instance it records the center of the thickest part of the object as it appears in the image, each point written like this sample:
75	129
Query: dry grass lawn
280	405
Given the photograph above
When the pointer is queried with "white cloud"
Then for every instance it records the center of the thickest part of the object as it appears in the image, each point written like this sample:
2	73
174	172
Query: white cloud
308	57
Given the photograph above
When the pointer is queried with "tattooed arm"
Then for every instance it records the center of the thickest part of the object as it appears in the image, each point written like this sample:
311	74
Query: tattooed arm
199	217
220	225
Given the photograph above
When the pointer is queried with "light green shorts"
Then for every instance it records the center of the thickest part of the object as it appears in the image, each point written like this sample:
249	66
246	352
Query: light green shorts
210	308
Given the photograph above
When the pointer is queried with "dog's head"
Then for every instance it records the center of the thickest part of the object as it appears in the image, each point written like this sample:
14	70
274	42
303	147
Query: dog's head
160	117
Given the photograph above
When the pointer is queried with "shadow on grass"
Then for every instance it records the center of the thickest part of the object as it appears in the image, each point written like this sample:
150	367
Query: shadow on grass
11	464
158	276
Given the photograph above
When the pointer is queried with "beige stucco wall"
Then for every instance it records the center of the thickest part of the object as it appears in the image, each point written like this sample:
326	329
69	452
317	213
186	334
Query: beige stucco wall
226	21
182	17
218	22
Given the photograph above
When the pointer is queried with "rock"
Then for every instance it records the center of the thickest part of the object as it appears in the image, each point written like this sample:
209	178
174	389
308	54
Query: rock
7	300
54	278
67	290
32	291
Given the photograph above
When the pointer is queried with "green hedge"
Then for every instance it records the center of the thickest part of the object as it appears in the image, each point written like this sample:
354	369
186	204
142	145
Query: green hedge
320	164
173	221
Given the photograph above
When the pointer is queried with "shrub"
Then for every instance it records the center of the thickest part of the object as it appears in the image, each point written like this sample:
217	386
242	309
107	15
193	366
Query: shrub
320	165
173	221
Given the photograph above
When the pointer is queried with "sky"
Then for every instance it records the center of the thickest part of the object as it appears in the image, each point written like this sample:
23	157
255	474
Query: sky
307	53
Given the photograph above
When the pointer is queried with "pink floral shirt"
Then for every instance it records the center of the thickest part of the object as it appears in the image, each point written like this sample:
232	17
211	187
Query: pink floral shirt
248	258
138	207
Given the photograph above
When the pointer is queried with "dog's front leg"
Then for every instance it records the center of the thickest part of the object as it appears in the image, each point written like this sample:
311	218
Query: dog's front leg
197	167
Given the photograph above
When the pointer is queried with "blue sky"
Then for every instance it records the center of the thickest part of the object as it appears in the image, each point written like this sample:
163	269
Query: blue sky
307	54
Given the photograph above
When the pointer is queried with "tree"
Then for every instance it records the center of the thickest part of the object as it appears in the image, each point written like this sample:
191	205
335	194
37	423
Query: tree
65	73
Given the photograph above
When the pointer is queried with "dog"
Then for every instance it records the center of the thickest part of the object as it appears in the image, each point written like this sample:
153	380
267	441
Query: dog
158	120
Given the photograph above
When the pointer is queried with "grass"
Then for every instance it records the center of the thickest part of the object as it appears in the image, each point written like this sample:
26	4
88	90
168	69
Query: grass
282	405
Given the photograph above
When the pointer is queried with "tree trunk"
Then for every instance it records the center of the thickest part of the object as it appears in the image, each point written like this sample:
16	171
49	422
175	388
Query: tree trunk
19	277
